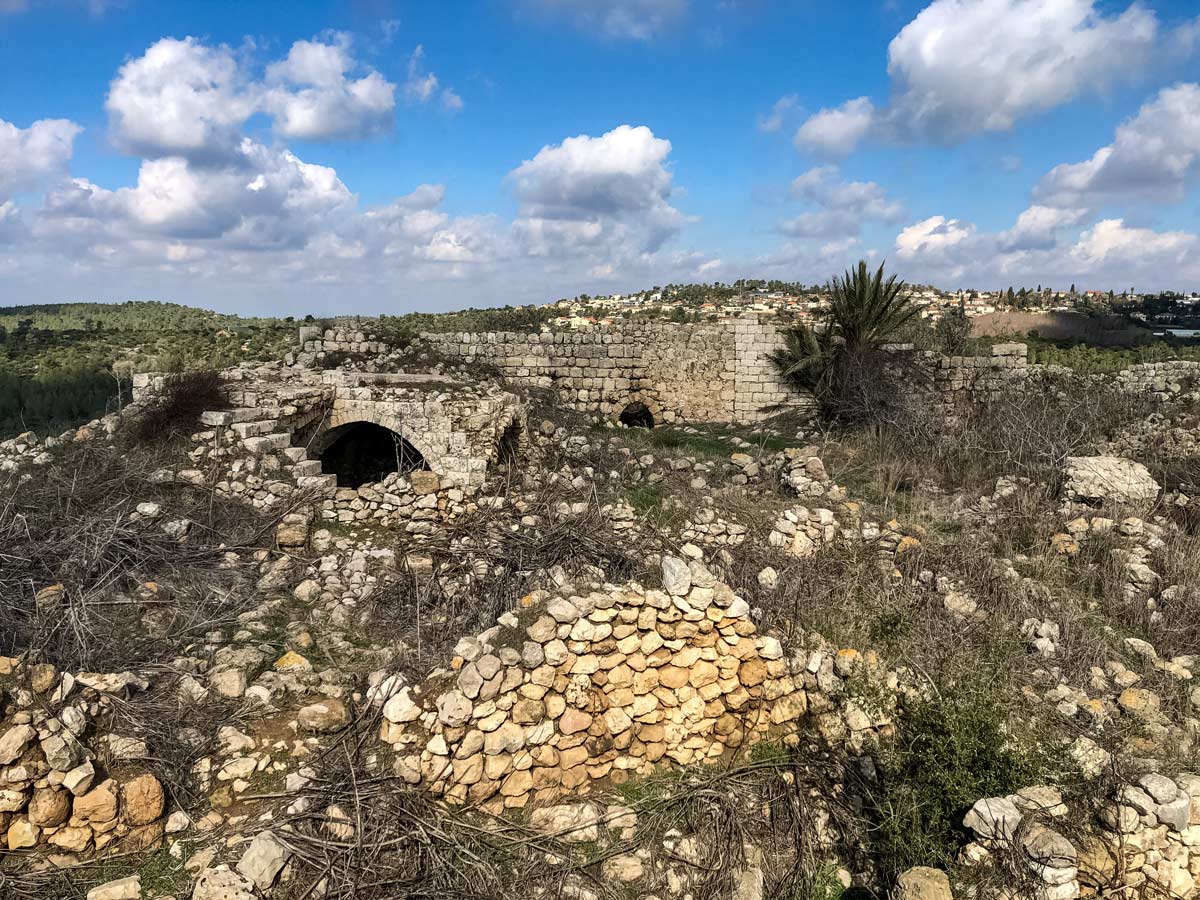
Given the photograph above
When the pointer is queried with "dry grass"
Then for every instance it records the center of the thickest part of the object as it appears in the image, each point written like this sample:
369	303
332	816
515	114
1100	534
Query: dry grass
131	594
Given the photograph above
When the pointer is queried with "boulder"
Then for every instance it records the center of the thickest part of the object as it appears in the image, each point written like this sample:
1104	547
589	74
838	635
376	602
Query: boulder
676	576
263	860
922	883
142	800
129	888
325	716
49	807
14	741
221	884
98	805
994	818
1108	479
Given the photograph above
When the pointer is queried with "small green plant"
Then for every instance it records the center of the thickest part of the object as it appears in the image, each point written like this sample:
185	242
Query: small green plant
645	498
822	883
950	751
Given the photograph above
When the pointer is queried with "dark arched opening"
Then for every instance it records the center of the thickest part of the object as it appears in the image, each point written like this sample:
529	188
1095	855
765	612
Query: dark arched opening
363	452
508	448
637	415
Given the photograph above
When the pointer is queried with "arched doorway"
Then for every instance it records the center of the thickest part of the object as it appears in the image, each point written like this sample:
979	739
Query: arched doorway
636	415
361	453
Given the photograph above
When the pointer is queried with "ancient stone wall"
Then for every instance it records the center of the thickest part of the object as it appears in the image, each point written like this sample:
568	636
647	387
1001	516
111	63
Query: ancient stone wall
1142	842
571	690
682	373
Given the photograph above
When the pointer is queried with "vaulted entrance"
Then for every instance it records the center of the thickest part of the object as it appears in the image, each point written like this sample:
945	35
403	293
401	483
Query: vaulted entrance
362	453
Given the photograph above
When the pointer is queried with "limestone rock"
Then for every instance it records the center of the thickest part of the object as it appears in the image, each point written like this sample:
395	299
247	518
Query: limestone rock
263	860
221	884
995	818
325	716
142	800
49	807
1108	479
14	741
676	576
129	888
922	883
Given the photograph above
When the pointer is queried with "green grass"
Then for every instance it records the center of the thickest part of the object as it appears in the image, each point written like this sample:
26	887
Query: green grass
646	499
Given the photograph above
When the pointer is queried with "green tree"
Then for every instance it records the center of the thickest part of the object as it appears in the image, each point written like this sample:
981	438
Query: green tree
839	362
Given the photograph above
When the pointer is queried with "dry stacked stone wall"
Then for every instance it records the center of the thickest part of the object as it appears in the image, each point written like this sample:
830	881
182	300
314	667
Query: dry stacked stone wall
569	690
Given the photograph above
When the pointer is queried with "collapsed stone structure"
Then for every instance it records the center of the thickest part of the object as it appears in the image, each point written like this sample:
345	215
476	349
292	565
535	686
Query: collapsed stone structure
277	441
570	691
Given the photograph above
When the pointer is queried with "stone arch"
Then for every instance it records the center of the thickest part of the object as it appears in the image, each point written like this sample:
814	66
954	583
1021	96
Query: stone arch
364	412
637	413
361	453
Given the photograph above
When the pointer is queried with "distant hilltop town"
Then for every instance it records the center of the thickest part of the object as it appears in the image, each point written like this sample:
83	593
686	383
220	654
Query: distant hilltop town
798	302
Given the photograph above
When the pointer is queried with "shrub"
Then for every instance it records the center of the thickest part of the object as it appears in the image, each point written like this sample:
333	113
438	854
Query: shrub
843	363
950	751
176	410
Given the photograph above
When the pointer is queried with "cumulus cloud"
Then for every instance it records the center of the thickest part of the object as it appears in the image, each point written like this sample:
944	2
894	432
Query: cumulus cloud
183	98
1045	246
1110	243
1154	157
841	206
836	132
935	238
31	156
180	98
965	67
1039	227
622	19
312	96
592	191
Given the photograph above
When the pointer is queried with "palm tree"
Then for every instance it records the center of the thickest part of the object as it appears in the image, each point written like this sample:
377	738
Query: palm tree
866	311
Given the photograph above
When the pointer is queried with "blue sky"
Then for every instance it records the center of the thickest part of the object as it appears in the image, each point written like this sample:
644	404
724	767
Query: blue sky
383	156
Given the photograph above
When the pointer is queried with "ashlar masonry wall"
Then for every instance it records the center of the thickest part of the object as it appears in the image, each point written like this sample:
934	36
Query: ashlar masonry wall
685	373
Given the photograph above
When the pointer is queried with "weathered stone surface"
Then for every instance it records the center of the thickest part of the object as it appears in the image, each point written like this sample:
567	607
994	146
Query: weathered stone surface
1110	479
142	800
325	716
221	884
98	805
263	860
922	883
49	807
995	818
14	741
128	888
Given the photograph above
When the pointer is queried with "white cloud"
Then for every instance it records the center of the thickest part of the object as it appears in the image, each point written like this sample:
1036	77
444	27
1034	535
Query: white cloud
1039	227
836	132
1044	247
1110	243
422	86
623	19
773	121
183	98
180	98
842	206
31	156
1154	157
965	67
935	237
312	98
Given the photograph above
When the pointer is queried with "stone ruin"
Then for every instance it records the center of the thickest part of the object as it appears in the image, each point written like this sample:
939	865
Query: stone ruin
388	447
570	691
